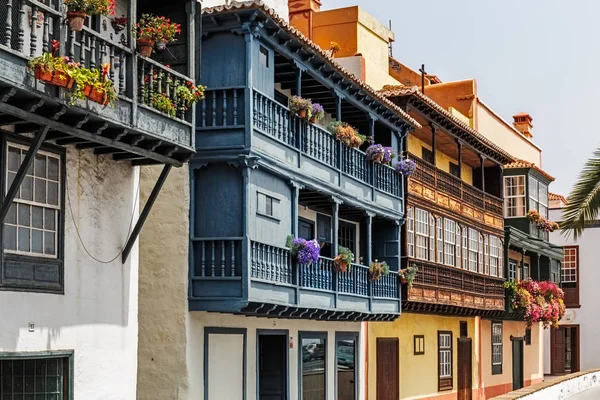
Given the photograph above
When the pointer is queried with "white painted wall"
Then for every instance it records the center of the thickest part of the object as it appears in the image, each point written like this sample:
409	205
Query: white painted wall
97	315
564	389
587	315
200	320
280	6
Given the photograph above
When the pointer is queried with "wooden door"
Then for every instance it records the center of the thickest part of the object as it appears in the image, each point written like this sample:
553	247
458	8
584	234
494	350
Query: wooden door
517	358
272	367
388	369
465	369
557	352
575	367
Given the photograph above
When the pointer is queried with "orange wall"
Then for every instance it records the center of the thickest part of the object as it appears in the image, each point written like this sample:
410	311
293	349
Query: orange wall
460	95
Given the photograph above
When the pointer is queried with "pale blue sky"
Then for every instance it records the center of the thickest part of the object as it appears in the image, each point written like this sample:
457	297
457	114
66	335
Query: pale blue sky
537	56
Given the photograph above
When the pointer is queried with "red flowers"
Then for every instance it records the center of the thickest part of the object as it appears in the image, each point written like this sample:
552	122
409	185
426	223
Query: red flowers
156	29
55	46
91	7
540	301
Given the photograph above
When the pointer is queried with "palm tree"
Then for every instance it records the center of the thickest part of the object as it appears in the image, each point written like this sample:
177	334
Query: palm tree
584	200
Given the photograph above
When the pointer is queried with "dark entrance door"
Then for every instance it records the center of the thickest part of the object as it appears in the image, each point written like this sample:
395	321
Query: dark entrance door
272	367
558	351
306	229
465	369
388	369
517	364
564	354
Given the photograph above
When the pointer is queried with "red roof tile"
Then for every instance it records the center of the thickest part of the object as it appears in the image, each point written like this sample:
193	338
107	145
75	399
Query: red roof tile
554	196
526	164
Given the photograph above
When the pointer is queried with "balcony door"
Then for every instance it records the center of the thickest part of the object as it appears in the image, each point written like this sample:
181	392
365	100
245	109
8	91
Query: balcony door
272	366
306	229
517	363
388	369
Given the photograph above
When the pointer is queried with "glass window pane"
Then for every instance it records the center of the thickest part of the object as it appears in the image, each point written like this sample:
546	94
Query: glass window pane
49	243
346	369
11	217
40	166
24	239
24	215
40	190
313	368
13	159
53	193
27	188
49	219
30	169
9	181
37	217
10	238
37	238
53	168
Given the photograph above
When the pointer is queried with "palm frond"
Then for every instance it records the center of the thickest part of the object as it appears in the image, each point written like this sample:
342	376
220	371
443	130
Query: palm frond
584	201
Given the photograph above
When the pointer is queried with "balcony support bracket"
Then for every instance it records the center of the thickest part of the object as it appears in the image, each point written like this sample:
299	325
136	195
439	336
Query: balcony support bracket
27	162
145	212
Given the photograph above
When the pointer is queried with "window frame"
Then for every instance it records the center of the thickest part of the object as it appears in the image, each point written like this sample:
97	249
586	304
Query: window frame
449	242
267	198
574	268
313	335
507	197
428	155
410	232
497	366
339	336
445	382
422	237
512	262
69	362
454	169
15	261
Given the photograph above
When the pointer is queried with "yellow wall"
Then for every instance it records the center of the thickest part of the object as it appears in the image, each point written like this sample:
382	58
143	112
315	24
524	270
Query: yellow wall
418	374
495	385
442	160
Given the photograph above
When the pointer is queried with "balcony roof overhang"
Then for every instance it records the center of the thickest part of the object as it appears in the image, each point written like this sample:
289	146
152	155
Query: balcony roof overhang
293	312
516	238
447	309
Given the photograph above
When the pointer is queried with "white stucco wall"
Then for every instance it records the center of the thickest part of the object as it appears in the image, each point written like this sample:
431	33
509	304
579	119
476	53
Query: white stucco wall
97	315
200	320
586	316
280	6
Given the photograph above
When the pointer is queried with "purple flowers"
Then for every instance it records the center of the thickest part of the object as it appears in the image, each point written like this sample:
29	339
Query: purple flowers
318	112
306	251
406	167
380	154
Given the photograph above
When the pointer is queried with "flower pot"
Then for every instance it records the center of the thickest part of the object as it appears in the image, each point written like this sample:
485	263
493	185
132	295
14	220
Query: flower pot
43	74
403	279
61	79
145	47
162	45
339	264
378	158
312	120
76	20
301	114
98	96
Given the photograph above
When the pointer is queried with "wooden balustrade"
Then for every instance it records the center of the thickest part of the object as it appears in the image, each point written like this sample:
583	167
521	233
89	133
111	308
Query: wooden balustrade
217	257
453	186
271	263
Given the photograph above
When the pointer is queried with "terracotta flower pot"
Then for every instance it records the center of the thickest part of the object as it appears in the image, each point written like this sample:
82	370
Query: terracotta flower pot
378	158
313	120
301	114
162	45
61	79
76	20
98	96
145	47
43	74
340	265
403	279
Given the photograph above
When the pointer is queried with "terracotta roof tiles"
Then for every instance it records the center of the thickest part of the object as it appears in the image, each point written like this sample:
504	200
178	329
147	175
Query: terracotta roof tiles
554	196
526	164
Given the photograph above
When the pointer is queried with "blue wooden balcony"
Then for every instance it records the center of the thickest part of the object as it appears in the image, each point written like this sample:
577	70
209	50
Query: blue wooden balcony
134	129
295	146
239	275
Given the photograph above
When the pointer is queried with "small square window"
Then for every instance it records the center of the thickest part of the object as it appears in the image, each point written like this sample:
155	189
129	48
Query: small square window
266	205
419	342
264	57
427	155
454	169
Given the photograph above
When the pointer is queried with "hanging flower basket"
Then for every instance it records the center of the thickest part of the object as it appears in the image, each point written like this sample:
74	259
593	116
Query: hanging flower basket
61	79
43	74
380	154
378	269
301	107
145	47
96	95
343	260
76	20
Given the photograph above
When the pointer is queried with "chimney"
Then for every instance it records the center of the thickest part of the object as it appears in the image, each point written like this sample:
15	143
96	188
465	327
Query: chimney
301	15
522	123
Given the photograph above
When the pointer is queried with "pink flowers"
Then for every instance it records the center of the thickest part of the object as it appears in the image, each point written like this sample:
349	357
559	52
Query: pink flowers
541	222
539	301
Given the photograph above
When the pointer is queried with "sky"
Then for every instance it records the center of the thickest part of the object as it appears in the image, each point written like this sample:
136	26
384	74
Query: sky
537	56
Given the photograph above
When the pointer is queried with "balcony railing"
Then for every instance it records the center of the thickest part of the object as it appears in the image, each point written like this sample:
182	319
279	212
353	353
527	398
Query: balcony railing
538	233
449	184
276	265
437	276
224	108
30	27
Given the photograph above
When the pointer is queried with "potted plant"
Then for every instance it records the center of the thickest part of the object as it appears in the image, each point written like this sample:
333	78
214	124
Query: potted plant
151	30
406	167
119	23
380	154
188	94
343	260
57	71
94	85
378	269
305	251
346	134
408	275
301	107
162	102
317	113
537	301
77	10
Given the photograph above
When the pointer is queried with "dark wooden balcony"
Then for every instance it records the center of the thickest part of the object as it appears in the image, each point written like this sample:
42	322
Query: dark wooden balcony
271	283
455	194
131	130
439	287
304	148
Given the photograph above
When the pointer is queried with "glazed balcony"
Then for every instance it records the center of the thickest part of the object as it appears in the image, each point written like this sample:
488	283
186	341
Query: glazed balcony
265	280
134	129
456	192
301	147
439	287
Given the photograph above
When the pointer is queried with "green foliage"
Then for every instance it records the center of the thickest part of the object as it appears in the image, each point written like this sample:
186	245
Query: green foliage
162	102
91	7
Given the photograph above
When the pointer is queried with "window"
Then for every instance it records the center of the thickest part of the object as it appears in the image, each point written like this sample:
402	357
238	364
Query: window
495	248
347	236
419	345
538	196
449	241
432	236
473	249
454	169
465	249
31	224
411	232
444	360
440	240
313	353
464	329
526	272
427	155
570	265
264	57
496	348
487	254
528	336
514	196
458	236
266	205
480	263
512	270
500	259
346	366
422	234
35	378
